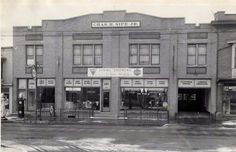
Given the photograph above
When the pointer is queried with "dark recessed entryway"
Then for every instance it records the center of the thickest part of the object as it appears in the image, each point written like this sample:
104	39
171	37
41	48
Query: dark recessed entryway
192	100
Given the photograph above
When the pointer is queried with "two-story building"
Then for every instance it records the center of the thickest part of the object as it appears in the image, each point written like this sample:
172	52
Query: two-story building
225	25
117	59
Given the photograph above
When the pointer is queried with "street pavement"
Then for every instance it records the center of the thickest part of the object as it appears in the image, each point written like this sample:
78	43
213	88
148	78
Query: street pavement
18	137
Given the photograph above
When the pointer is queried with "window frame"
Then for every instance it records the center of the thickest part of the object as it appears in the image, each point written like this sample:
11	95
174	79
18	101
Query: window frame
150	54
197	54
82	54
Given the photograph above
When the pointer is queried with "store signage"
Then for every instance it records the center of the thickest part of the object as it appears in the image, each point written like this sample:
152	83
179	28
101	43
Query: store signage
126	82
106	84
72	89
162	83
137	82
96	82
78	82
41	82
194	83
202	83
50	82
68	82
115	72
87	82
22	84
116	24
149	83
31	84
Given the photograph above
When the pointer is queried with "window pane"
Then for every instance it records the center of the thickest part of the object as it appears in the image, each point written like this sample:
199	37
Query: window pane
191	50
77	50
40	60
39	50
202	60
202	49
191	60
30	50
133	49
88	60
88	50
98	49
98	60
134	59
155	59
77	59
155	49
144	49
144	60
30	61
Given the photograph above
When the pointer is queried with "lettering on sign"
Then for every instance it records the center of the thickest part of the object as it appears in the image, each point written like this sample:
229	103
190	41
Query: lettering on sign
96	83
50	82
31	84
149	83
68	82
162	83
194	83
87	82
126	82
41	82
106	84
202	83
115	72
78	82
137	82
116	24
186	83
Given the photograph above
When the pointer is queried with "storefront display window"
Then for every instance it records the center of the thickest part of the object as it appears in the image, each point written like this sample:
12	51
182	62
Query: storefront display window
229	100
139	98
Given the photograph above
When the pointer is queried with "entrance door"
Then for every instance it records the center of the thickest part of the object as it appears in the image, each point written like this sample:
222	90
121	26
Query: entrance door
191	100
106	101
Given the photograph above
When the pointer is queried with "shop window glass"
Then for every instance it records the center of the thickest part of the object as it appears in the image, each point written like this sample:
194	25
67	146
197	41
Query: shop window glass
139	99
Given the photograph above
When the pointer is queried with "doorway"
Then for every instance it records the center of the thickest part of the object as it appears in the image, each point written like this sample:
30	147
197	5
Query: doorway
192	100
106	101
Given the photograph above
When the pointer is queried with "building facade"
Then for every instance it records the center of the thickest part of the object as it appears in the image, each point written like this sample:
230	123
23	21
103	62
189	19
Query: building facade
226	75
117	59
7	77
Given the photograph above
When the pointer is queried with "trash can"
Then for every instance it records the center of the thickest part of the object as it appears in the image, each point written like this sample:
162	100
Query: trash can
21	108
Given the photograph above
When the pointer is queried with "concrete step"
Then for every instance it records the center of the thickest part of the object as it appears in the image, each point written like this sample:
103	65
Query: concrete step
104	115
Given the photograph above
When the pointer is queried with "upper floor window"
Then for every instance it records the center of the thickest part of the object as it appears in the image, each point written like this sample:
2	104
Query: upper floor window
87	54
144	54
197	54
34	52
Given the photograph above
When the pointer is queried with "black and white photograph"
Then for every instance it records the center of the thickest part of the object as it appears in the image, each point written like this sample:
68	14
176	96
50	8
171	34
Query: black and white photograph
118	75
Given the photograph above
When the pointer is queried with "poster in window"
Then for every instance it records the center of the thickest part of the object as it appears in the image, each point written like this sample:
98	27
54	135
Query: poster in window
31	84
22	84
